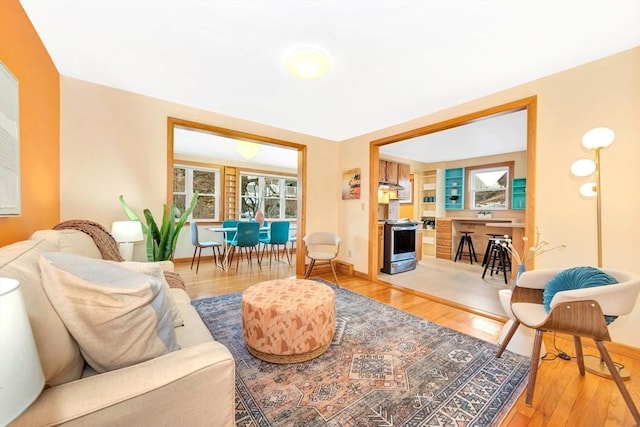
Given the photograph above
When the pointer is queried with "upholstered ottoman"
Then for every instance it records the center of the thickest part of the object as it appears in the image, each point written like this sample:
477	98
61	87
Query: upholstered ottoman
288	320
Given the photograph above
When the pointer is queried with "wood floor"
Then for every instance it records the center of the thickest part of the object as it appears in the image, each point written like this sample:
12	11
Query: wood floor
562	396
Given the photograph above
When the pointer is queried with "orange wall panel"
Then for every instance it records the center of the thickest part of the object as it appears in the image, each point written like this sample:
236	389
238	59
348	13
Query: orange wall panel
23	53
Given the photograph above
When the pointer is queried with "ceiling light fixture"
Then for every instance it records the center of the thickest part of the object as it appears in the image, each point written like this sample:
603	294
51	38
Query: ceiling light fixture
307	63
247	149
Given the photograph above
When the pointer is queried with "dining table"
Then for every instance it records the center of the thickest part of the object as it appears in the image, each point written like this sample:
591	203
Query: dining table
225	230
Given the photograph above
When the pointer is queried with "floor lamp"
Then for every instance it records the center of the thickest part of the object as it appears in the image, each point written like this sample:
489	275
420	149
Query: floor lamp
596	139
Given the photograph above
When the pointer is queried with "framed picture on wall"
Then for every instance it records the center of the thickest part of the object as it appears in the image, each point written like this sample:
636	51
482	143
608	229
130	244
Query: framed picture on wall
9	144
351	184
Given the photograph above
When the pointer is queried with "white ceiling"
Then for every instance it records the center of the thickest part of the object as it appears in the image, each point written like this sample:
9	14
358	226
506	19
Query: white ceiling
391	61
193	142
499	134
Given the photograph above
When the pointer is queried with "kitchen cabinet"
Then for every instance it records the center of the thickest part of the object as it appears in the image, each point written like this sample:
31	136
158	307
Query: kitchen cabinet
519	193
454	189
443	238
404	180
388	172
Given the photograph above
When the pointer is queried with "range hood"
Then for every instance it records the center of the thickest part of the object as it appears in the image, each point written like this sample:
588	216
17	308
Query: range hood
389	186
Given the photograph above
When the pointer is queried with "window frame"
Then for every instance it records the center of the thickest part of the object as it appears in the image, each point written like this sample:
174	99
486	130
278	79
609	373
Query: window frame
470	192
189	190
282	190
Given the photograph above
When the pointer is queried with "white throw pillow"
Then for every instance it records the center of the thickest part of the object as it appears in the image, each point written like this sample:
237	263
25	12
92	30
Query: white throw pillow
118	317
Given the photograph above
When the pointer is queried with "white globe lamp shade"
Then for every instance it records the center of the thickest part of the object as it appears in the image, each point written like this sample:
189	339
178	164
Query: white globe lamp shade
21	377
599	137
583	167
589	189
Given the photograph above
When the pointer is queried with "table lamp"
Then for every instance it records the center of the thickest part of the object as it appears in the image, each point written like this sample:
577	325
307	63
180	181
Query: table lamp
21	377
126	233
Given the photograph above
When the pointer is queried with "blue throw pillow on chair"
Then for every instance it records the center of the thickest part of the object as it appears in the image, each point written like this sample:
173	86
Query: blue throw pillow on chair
576	278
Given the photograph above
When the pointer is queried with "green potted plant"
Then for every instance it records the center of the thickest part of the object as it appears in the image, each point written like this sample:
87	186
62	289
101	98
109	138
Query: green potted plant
161	241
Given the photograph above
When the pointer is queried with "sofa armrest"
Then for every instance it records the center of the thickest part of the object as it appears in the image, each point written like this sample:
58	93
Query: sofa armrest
165	265
193	386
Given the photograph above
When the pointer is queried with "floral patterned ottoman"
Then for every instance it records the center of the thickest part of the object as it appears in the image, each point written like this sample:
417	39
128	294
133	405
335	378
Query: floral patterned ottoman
288	320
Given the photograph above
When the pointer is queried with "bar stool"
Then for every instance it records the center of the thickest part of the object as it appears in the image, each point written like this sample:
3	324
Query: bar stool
460	252
498	254
490	242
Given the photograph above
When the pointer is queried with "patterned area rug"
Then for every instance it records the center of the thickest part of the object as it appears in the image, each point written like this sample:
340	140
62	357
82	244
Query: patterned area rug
385	367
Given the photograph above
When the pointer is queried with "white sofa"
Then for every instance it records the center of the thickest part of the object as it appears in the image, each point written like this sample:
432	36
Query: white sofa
192	386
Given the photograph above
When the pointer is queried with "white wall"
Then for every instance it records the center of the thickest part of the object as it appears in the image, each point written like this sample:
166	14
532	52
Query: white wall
114	142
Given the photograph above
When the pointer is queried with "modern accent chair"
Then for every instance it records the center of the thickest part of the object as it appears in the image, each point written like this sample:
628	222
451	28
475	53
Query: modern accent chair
578	312
322	246
247	238
195	241
278	235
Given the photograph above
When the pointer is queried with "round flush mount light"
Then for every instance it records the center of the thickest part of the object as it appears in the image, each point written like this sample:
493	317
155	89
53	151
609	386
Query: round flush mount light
307	63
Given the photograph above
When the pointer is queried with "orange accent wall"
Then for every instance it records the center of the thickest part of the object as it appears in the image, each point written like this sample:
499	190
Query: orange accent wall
23	53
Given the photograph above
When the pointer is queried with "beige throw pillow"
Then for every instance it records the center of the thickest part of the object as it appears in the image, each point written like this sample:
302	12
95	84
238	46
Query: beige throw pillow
59	353
118	317
155	270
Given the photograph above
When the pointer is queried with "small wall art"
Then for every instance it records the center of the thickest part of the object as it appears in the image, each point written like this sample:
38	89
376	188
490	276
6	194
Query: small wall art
351	184
10	199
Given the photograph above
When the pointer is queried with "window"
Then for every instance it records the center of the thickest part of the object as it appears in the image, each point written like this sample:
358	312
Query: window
276	196
187	180
489	188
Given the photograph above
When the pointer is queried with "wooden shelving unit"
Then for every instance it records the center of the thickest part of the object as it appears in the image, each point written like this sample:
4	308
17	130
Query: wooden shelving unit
431	205
230	199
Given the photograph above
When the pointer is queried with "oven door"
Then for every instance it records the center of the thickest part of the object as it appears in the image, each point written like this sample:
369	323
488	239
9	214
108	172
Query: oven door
403	243
399	248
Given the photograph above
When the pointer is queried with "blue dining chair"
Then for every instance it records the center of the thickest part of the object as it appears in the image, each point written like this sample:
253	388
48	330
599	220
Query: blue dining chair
278	235
247	237
229	223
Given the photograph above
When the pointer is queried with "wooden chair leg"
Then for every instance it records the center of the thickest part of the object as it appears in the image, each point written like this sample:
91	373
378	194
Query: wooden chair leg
613	370
535	359
194	256
507	338
198	265
577	343
333	270
257	257
286	252
309	268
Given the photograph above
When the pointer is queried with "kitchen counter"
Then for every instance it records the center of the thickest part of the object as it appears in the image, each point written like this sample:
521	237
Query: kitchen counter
487	220
482	228
506	224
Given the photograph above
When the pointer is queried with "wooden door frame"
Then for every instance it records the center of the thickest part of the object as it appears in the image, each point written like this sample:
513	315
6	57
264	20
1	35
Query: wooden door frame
301	222
530	104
